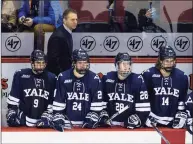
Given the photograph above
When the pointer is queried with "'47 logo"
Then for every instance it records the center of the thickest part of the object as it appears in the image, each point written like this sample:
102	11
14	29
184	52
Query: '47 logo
182	43
158	42
135	43
87	43
13	43
111	43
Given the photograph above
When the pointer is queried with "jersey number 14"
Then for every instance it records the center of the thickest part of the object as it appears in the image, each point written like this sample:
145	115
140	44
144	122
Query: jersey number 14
165	101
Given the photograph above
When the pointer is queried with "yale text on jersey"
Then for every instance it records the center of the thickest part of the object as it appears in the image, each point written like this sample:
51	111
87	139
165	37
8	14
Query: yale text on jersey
120	96
166	91
36	92
78	96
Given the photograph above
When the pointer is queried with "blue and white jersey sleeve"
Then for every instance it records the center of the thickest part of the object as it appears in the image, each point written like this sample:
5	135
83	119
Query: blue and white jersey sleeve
59	103
97	95
142	103
14	97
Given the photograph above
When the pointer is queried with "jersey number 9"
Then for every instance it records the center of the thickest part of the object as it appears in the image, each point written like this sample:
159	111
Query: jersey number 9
36	103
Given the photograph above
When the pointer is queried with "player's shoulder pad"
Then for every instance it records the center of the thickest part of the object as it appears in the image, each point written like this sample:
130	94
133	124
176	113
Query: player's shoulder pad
24	73
93	76
65	74
189	98
137	78
179	72
110	77
148	73
51	75
111	74
149	70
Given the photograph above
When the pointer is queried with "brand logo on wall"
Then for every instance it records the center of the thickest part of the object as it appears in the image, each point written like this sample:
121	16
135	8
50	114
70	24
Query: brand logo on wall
111	43
13	43
158	42
182	43
88	43
135	43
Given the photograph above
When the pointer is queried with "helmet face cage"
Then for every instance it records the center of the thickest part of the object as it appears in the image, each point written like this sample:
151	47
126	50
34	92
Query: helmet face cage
123	64
167	57
80	61
38	61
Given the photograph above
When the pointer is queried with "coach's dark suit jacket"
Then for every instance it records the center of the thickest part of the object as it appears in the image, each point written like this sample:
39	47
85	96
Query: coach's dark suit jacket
60	46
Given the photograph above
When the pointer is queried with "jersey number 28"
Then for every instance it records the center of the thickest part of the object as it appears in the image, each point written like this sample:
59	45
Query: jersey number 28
119	106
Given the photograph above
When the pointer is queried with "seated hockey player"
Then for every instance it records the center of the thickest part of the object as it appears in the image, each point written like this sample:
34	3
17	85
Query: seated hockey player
31	97
189	110
124	88
167	87
78	99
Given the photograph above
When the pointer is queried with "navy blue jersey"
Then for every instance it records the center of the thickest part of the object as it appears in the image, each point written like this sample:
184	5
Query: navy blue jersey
32	94
189	105
75	97
167	94
120	93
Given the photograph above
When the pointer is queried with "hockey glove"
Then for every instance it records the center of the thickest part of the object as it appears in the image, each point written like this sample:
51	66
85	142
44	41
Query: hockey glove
151	120
91	120
189	125
11	118
104	119
45	121
133	122
179	120
60	122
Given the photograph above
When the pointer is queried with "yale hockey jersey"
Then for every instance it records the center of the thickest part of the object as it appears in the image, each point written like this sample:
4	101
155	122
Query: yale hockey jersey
75	97
167	94
32	93
120	93
189	105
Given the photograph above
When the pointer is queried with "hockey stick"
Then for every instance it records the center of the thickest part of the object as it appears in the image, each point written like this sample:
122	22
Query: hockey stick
117	113
160	133
168	18
71	125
